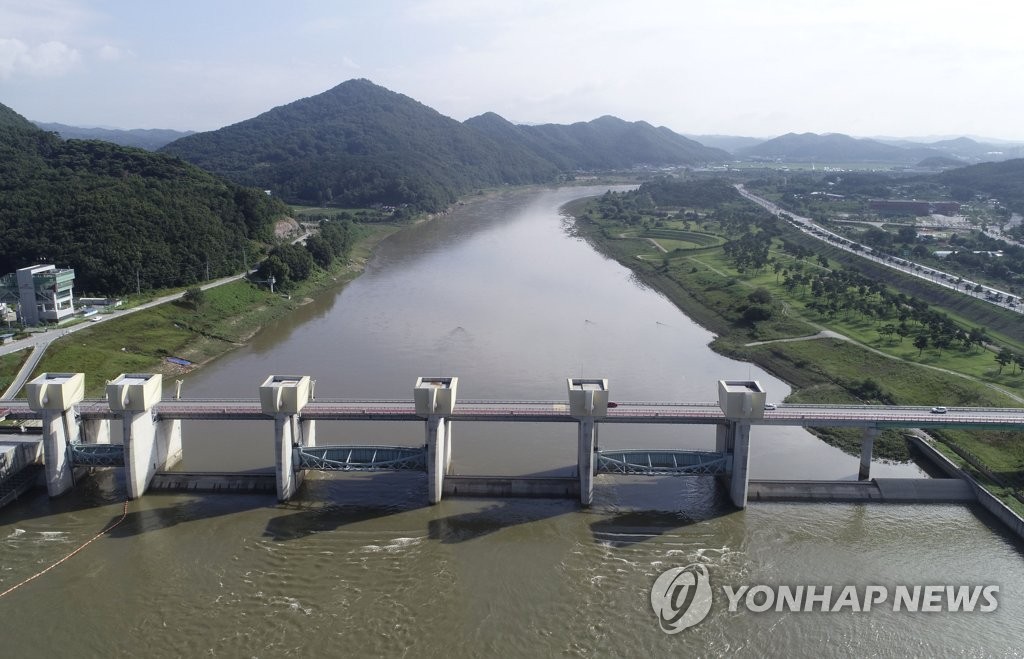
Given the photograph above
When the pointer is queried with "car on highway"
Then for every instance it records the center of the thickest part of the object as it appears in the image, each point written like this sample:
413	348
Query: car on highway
769	406
939	410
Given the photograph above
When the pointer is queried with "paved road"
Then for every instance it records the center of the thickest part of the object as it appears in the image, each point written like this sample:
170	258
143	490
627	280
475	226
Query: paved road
862	416
944	279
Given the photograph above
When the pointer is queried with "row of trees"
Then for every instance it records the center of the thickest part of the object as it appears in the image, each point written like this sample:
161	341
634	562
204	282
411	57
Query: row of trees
844	292
1006	357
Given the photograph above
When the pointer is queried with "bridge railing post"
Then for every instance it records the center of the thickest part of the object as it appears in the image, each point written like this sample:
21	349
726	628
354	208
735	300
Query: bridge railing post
55	396
283	397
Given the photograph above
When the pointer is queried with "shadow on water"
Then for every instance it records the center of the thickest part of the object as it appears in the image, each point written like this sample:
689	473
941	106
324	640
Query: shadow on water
497	516
105	489
627	529
202	506
327	502
101	488
640	508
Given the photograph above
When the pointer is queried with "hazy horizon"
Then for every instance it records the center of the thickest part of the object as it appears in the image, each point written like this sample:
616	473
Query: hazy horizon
737	68
924	139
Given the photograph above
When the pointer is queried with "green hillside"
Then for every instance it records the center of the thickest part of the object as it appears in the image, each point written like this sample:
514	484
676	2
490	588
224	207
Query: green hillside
121	217
605	143
359	144
1002	180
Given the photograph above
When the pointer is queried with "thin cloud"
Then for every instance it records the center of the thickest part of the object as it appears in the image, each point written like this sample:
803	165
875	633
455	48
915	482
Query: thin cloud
48	59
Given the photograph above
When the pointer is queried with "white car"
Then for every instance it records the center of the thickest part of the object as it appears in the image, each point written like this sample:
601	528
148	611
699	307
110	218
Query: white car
939	410
769	406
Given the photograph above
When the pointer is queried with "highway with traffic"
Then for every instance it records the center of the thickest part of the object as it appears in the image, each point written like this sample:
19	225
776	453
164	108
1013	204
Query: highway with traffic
948	280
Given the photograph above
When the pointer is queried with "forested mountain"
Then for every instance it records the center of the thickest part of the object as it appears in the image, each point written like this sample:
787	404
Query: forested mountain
602	144
1002	180
835	148
966	150
356	144
149	139
360	143
119	216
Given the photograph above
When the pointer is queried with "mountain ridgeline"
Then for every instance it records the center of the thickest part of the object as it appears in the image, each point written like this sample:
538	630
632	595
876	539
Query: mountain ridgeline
121	217
149	139
359	144
836	148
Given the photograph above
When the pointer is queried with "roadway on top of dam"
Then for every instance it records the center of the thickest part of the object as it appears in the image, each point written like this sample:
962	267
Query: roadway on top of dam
863	416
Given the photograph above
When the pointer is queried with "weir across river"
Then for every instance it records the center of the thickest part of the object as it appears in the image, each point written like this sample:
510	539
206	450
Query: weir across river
76	431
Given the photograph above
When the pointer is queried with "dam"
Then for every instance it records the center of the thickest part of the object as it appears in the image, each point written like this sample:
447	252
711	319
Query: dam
77	433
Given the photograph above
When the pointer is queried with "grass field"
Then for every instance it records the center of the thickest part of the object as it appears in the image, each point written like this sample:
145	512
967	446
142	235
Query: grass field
9	367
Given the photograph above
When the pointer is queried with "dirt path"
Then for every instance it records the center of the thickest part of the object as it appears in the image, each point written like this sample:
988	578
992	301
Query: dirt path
657	245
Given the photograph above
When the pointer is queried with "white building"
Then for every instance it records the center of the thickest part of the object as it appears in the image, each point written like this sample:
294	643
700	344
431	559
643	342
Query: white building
39	293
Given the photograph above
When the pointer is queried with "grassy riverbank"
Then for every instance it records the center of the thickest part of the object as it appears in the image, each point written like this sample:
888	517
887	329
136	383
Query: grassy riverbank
706	285
229	316
9	366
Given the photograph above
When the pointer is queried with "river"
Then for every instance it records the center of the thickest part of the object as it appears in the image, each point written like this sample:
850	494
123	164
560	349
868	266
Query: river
500	294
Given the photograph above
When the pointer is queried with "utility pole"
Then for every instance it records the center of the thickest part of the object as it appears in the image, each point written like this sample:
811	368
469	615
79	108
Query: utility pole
138	282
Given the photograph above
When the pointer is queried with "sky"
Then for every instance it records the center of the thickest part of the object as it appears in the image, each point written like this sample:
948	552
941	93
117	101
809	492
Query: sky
761	68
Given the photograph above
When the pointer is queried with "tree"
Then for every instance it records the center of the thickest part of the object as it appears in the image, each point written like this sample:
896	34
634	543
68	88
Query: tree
942	341
978	336
298	259
907	235
1004	357
920	342
756	313
320	250
194	296
760	295
274	267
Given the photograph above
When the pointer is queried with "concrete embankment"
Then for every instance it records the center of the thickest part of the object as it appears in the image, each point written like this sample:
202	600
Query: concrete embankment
884	490
990	502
